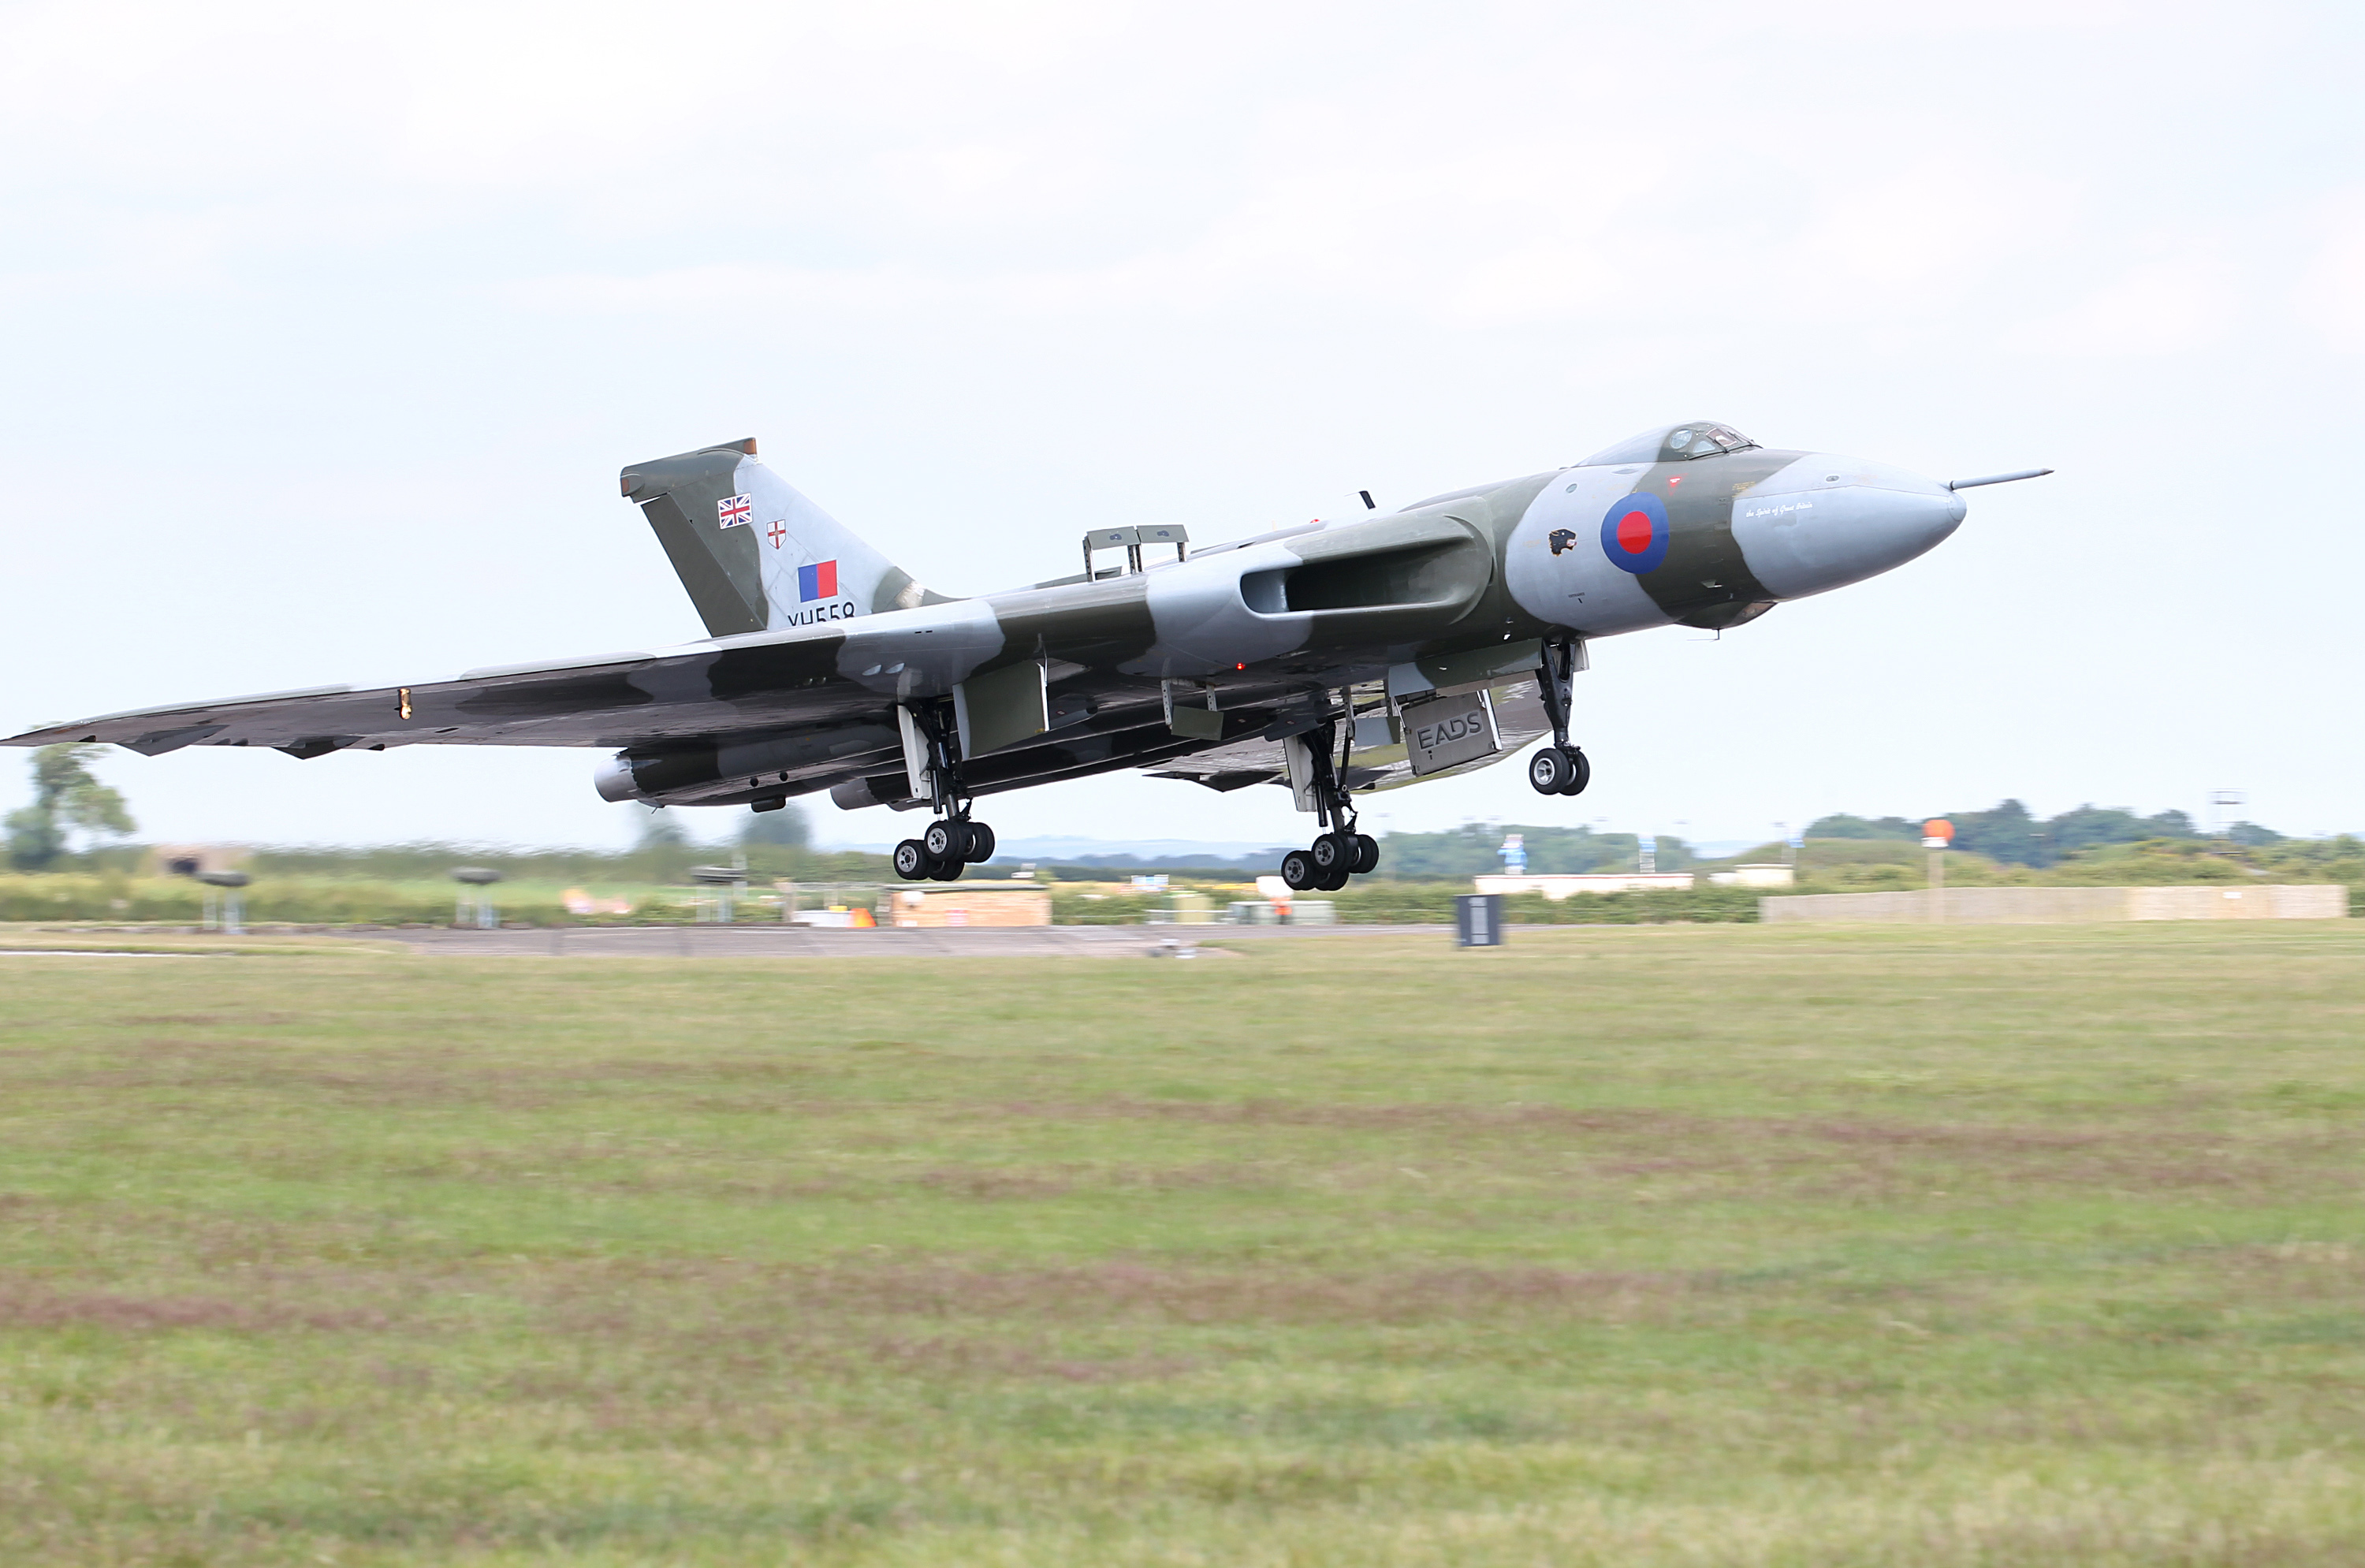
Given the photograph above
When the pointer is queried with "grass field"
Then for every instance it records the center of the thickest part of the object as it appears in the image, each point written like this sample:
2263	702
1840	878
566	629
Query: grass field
1639	1246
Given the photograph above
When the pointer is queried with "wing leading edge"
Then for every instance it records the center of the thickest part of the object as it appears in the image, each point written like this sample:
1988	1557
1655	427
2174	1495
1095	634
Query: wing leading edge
618	699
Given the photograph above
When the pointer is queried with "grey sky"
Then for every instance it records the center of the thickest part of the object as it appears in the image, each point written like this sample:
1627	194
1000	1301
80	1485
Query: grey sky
327	333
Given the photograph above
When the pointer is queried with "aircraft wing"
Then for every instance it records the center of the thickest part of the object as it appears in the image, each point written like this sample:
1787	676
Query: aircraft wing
736	720
749	718
617	700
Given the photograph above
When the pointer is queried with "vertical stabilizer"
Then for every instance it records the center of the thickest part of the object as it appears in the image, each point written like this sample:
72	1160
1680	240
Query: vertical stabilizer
754	554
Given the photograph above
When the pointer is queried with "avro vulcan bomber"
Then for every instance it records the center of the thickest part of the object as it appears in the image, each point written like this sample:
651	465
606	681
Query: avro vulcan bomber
1336	658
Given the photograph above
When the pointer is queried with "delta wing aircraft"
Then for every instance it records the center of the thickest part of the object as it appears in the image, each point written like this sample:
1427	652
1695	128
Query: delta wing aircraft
1336	658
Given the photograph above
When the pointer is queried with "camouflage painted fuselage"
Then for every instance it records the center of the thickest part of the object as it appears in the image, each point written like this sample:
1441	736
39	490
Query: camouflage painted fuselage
816	641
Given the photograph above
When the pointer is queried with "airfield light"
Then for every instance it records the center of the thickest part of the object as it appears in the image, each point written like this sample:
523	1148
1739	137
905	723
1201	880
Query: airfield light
729	883
475	905
225	909
2220	802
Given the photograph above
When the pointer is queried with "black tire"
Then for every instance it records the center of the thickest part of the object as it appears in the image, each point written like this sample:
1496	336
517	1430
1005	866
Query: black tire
1580	773
911	862
1367	855
1338	877
1331	851
980	844
945	840
1297	870
1550	771
948	871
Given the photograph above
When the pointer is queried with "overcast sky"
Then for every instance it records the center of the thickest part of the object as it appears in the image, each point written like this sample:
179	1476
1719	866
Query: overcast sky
327	329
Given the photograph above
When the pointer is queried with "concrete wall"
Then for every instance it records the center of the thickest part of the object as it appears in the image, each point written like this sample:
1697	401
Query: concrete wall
952	905
2321	901
2052	906
1555	886
1754	876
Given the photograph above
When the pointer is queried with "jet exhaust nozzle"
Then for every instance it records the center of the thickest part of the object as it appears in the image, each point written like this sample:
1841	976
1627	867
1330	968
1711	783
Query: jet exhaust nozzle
614	779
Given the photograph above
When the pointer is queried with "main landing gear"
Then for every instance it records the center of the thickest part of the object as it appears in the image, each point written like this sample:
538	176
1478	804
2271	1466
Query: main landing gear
950	846
1559	768
952	842
1340	853
1334	857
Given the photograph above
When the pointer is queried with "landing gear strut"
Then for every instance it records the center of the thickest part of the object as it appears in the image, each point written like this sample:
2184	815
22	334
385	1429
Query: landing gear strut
1559	768
952	842
1340	853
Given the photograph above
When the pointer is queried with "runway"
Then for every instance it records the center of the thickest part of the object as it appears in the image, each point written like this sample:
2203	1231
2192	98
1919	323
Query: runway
807	942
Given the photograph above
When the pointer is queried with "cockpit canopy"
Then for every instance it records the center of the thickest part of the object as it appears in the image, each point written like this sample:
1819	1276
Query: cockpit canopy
1671	444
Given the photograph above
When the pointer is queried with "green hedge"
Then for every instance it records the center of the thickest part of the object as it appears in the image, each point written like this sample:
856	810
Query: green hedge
112	897
115	897
1112	909
1431	903
1382	904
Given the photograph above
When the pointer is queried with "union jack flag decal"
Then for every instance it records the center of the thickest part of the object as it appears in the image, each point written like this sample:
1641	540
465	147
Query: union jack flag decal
735	511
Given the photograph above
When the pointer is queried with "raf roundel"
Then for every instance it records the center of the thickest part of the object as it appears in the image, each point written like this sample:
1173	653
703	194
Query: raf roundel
1634	533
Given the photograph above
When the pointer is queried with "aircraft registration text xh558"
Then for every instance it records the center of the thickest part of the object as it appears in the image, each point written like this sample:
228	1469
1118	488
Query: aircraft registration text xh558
1336	658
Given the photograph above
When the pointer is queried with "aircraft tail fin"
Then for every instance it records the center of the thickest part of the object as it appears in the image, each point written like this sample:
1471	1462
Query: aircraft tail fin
754	554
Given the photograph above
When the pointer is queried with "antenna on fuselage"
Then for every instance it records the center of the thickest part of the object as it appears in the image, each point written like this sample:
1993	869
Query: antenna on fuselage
2013	477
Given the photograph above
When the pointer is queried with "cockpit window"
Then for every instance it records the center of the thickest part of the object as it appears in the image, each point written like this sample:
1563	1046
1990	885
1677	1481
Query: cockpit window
1671	443
1710	440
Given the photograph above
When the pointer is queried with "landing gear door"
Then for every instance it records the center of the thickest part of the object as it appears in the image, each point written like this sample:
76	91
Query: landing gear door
917	772
1446	732
1300	751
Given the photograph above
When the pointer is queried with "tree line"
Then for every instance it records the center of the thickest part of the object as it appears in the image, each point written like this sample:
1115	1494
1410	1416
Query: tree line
2011	835
70	804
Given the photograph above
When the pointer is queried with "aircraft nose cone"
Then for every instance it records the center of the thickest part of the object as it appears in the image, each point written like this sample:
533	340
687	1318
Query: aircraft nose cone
1843	527
1900	525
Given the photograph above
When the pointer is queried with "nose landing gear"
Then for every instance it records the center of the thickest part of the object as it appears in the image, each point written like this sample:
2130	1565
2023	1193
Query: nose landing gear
1559	768
1556	770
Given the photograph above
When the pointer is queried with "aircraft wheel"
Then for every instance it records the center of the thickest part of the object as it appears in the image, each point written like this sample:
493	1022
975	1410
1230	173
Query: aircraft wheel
1367	855
1581	773
980	844
945	840
1333	851
911	862
948	870
1297	871
1550	771
1338	875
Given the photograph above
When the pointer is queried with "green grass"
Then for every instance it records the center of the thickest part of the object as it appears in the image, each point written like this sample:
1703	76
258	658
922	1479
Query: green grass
1624	1246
